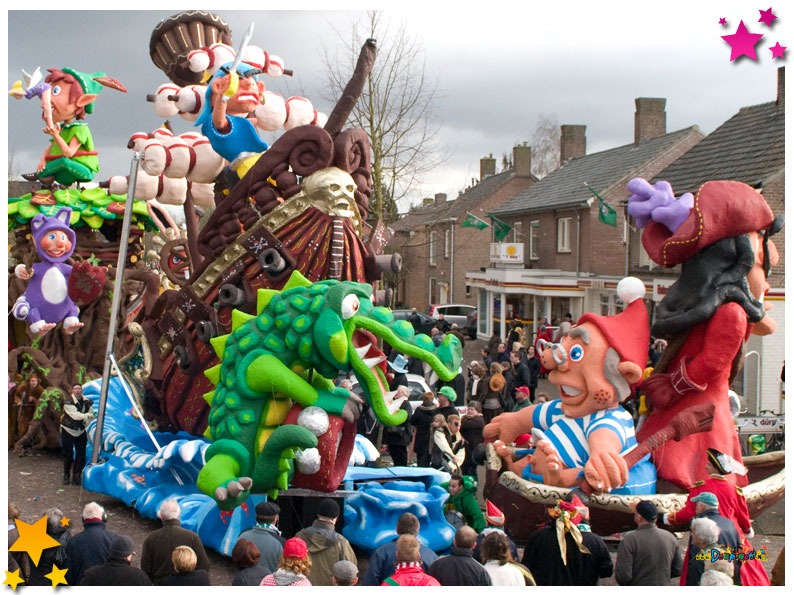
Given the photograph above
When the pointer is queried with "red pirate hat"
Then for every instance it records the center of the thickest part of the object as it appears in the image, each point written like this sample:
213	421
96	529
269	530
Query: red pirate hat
628	332
722	209
493	515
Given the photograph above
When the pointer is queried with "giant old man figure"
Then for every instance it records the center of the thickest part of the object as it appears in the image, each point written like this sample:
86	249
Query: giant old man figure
585	433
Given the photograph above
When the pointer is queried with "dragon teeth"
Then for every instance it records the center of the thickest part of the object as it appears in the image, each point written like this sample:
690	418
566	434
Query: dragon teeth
362	351
389	397
371	362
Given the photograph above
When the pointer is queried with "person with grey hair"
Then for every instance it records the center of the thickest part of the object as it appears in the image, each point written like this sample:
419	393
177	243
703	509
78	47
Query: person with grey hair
715	578
702	538
54	555
92	546
159	545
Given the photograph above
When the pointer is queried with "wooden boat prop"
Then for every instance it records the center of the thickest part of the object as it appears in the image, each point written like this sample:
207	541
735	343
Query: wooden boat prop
524	502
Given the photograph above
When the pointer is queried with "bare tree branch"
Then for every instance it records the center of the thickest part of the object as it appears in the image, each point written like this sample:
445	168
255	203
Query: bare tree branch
397	109
546	145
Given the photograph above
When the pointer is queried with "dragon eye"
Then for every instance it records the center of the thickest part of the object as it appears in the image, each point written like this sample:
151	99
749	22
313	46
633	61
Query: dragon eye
577	353
349	306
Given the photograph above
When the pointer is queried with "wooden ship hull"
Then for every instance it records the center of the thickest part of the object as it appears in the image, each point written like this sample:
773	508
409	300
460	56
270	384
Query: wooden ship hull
524	502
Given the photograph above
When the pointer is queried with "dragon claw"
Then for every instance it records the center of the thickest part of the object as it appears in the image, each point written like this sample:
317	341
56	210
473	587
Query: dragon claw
221	494
246	482
235	488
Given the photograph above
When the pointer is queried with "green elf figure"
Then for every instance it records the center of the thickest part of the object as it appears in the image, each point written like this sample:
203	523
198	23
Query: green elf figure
67	95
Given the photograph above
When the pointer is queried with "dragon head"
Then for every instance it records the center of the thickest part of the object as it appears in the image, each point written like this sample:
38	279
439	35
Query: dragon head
346	335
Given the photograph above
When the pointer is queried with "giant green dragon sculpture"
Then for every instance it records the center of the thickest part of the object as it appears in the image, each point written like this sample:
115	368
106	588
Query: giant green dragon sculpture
301	338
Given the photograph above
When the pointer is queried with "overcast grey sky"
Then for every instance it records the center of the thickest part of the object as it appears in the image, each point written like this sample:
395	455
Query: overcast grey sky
499	65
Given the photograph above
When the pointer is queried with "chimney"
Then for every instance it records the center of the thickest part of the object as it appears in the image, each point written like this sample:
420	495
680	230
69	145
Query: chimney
573	142
487	167
441	198
426	202
650	119
781	90
522	160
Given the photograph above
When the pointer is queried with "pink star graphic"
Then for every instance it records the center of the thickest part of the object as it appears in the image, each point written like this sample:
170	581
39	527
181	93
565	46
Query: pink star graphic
723	22
778	51
767	17
743	42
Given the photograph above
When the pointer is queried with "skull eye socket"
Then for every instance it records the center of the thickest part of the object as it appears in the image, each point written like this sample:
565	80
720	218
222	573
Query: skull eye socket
335	187
350	306
350	188
577	353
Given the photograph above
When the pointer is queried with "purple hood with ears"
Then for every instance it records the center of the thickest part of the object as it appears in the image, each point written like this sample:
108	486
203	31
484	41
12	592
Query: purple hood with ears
41	225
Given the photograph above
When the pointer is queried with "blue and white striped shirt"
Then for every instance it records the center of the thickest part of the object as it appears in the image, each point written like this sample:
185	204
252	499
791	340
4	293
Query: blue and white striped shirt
570	435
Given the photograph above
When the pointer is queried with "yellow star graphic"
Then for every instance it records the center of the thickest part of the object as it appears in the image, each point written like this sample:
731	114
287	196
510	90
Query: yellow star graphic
33	539
57	576
64	522
12	579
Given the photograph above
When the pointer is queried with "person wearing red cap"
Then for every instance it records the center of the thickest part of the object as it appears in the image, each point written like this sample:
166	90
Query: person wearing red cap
586	433
293	566
522	398
722	242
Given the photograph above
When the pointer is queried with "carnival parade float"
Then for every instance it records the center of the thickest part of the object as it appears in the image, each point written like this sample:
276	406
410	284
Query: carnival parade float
721	237
225	338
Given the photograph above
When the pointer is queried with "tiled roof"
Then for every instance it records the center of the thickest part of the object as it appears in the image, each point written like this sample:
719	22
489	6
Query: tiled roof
749	148
469	200
565	186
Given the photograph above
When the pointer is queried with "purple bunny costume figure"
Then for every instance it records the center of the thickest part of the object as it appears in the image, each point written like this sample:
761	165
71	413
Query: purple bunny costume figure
46	299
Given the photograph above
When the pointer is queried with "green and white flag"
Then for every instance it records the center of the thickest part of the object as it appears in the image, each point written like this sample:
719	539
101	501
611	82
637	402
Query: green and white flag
606	214
472	221
500	228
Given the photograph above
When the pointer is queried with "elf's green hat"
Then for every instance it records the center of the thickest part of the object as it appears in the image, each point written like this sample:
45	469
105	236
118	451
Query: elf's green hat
88	83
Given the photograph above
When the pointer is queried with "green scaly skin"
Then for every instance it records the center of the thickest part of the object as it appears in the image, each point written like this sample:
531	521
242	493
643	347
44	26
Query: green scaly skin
300	339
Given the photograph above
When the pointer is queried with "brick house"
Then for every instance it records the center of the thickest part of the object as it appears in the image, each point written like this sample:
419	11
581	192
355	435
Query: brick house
750	148
572	261
437	251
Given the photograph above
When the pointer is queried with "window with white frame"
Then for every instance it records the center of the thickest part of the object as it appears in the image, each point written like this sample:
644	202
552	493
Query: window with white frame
446	243
564	234
644	260
534	239
518	232
432	244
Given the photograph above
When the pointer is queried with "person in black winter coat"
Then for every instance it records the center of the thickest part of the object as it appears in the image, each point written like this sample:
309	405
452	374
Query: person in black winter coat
397	438
543	557
421	420
118	570
186	574
53	555
92	546
460	568
533	365
471	426
245	556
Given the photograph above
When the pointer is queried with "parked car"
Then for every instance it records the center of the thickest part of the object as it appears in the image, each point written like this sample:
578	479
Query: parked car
425	322
456	313
416	383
